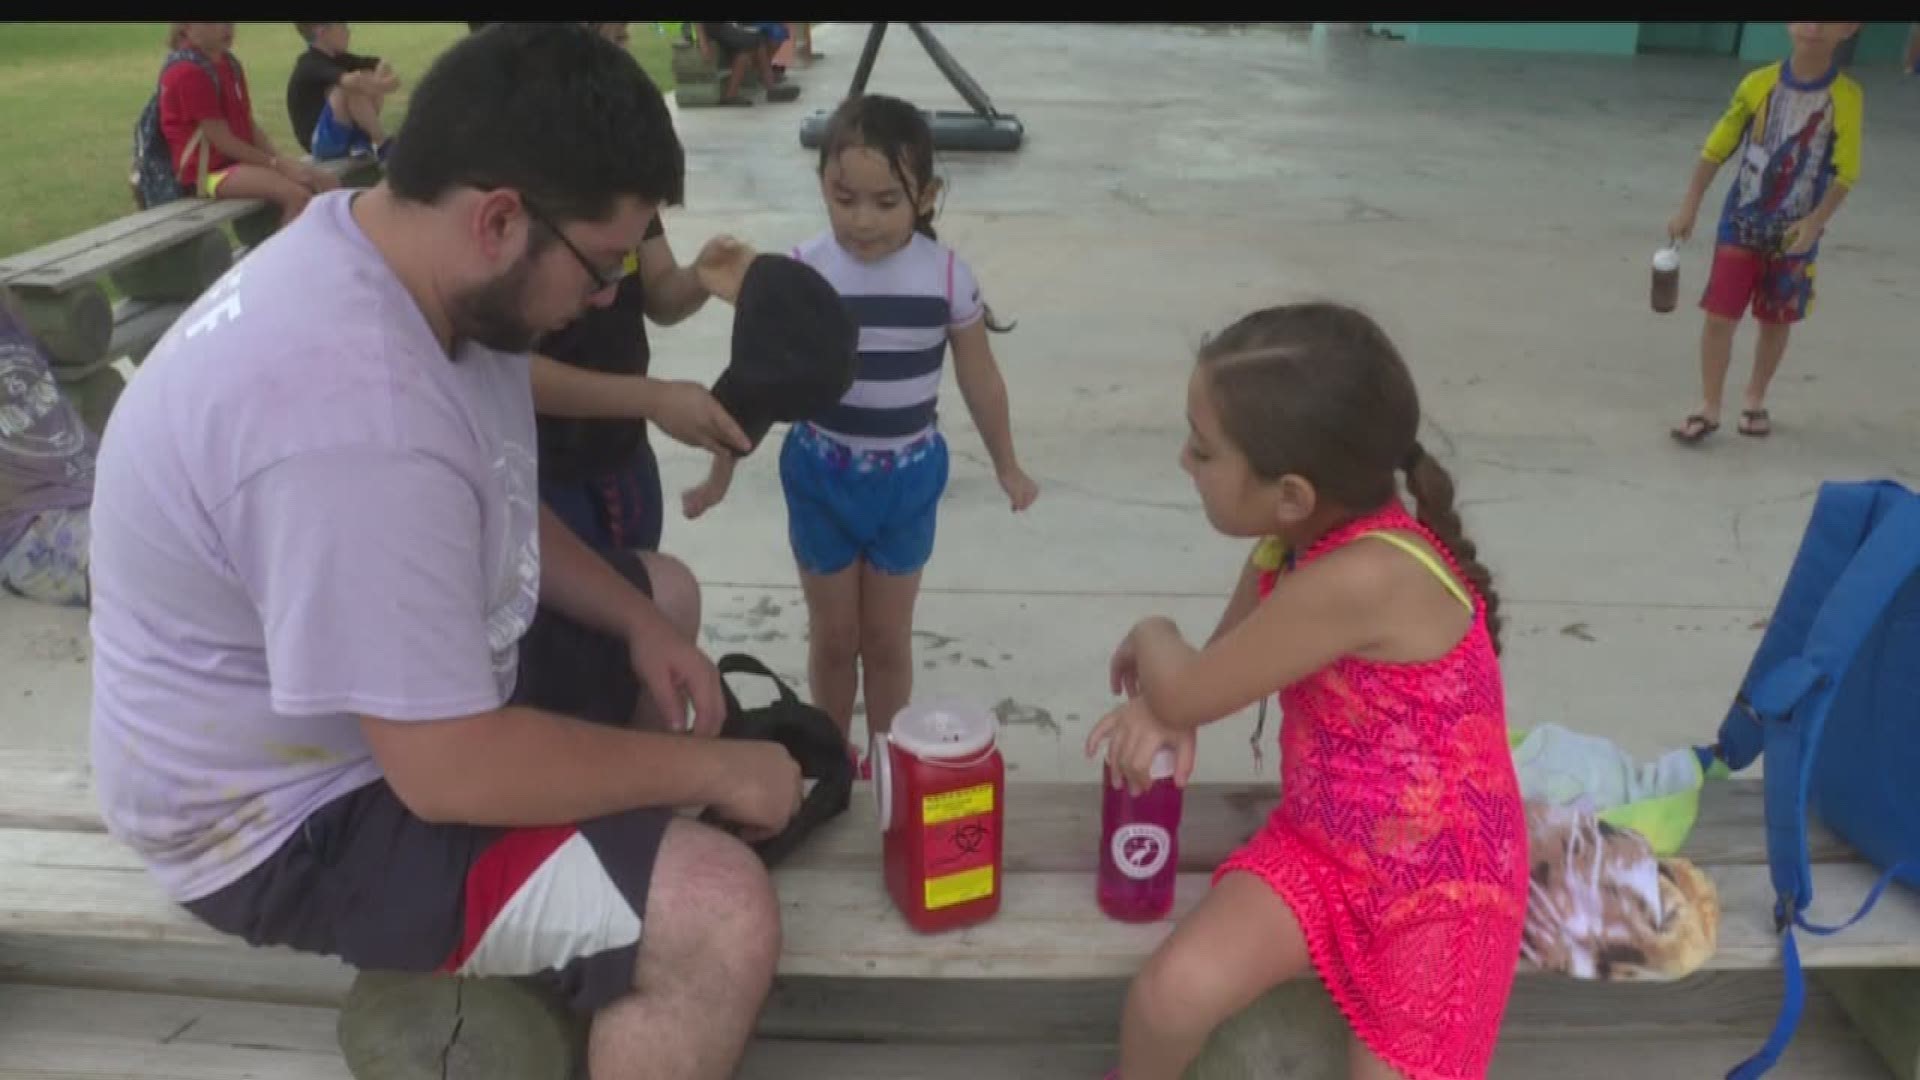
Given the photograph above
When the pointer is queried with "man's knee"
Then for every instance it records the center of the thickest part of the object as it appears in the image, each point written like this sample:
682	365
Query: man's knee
675	592
712	905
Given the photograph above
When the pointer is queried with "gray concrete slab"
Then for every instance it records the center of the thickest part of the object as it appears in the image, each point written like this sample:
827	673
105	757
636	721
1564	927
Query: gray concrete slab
1495	211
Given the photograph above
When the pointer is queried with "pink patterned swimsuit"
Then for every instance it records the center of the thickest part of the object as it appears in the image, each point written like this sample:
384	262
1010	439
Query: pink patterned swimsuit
1400	843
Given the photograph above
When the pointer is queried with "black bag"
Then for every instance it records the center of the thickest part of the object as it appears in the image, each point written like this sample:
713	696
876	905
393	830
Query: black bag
809	735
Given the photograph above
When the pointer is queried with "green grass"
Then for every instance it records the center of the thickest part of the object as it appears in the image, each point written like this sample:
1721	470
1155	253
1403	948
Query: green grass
72	92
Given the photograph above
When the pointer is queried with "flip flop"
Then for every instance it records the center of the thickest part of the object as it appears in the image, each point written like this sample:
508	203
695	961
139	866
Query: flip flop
1755	423
1694	429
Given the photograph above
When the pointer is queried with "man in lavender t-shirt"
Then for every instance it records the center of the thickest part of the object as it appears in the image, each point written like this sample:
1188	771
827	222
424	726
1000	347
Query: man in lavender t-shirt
347	669
46	474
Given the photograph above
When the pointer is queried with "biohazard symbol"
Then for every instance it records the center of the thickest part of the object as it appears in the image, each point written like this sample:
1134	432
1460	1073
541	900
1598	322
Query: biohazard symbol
970	837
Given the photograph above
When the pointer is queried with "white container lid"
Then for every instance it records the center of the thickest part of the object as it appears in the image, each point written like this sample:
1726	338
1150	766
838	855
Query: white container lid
1666	259
944	731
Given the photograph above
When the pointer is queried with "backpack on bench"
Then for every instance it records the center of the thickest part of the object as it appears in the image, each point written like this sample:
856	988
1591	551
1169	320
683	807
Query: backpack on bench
809	735
155	178
1833	699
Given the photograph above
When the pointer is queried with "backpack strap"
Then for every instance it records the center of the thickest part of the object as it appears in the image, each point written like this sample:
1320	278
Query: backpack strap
1789	704
807	733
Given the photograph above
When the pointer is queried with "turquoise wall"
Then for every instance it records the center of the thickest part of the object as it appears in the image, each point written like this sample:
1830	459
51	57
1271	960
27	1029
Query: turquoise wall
1580	37
1879	43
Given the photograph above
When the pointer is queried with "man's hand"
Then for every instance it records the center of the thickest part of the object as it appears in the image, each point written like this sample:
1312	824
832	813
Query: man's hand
1680	226
764	791
691	415
1801	236
678	675
722	266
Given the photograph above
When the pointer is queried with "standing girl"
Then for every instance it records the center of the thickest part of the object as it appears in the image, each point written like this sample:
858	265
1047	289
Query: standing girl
863	483
1396	862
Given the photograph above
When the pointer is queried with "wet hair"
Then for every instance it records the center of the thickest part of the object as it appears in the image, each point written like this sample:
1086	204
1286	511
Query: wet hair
898	132
554	111
1317	390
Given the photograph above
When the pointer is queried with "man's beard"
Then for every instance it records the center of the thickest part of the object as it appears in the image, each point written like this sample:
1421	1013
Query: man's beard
490	315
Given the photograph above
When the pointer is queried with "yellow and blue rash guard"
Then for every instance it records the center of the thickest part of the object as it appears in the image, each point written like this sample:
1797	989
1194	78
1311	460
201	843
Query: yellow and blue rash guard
1798	138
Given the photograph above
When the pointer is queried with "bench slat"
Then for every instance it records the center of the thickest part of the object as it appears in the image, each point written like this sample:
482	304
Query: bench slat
113	244
840	923
1058	821
101	256
53	1034
50	1034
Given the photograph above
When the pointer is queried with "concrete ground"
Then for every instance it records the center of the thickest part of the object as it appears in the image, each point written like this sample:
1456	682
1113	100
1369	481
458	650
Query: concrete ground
1495	211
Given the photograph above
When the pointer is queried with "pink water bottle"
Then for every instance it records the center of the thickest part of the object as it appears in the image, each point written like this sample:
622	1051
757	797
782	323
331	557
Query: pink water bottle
1140	846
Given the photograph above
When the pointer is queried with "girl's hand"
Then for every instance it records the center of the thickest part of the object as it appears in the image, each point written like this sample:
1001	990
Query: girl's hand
722	265
1133	737
1801	236
1020	488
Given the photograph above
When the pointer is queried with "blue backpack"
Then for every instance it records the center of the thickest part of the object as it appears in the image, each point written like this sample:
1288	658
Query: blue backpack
155	177
1833	700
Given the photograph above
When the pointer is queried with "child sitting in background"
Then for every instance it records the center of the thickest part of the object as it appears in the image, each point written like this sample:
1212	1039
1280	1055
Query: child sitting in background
334	97
206	113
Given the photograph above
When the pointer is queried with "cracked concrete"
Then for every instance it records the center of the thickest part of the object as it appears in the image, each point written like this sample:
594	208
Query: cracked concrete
1495	212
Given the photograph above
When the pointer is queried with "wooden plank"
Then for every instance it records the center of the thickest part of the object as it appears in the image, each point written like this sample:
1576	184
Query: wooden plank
79	244
1058	821
205	970
894	1009
158	229
71	1034
42	789
107	247
839	923
1708	1004
1814	1055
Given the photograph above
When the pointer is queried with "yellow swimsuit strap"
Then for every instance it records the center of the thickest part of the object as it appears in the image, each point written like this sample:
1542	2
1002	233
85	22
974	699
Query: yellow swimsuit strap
1427	560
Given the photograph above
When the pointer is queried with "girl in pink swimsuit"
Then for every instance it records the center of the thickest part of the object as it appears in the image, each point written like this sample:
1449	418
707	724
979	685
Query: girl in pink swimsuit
1395	866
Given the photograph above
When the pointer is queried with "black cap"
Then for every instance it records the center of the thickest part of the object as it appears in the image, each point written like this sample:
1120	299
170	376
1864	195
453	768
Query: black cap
795	347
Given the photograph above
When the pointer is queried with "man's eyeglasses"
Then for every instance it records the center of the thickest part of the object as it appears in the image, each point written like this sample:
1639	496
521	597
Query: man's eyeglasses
602	279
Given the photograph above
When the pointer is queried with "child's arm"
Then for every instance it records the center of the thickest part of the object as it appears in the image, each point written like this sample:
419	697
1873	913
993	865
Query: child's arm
674	292
1312	618
686	411
986	396
707	494
1680	226
1722	141
1246	595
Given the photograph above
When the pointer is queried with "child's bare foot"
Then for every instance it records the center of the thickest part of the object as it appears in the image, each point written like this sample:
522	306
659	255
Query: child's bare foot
701	498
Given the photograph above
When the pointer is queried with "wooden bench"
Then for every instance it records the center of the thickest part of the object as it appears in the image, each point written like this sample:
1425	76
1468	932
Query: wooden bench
156	262
64	881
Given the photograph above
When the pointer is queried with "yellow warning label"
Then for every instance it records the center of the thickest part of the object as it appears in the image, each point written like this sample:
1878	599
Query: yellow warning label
950	805
943	892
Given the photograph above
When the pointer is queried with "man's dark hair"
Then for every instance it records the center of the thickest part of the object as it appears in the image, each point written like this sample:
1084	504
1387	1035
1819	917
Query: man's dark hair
308	29
552	110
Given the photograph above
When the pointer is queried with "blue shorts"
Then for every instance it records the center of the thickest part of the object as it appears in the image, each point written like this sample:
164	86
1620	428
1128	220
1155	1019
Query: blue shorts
845	505
336	138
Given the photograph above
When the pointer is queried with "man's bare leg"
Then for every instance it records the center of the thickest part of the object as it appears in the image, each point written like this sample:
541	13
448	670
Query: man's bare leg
709	946
677	594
